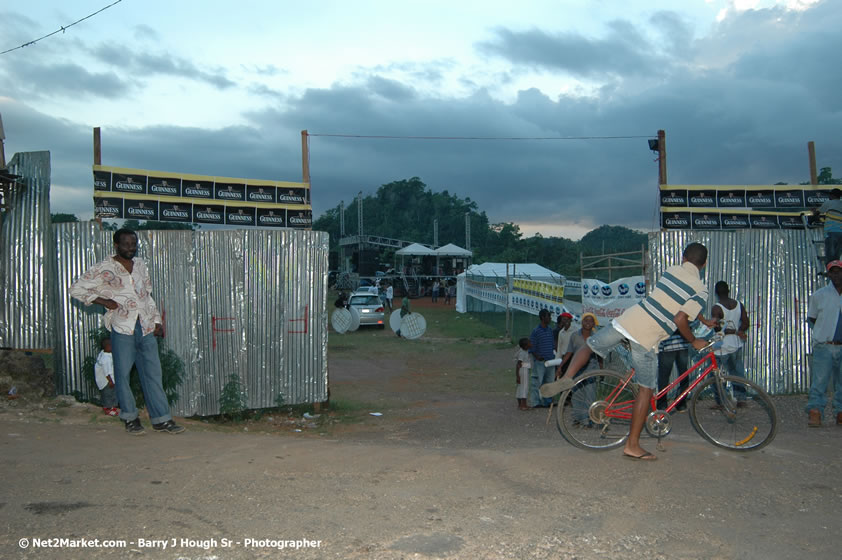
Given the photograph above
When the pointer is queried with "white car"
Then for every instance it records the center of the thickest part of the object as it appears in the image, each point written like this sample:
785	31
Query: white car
369	306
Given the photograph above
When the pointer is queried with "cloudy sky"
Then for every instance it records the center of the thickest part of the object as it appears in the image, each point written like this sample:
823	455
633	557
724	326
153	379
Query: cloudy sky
191	86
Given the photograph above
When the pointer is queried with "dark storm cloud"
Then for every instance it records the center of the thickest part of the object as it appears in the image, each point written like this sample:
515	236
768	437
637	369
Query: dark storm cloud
624	51
65	80
146	64
390	89
736	117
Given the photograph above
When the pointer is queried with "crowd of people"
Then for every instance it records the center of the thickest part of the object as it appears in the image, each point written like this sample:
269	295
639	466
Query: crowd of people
657	331
659	335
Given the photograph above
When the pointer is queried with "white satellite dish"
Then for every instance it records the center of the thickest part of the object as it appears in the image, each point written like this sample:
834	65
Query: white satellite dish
341	320
395	320
355	319
413	326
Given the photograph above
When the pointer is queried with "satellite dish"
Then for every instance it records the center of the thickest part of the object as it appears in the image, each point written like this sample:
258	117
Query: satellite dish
395	320
341	320
355	319
413	326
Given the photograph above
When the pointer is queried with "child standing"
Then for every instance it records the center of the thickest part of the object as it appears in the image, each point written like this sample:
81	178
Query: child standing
522	371
104	374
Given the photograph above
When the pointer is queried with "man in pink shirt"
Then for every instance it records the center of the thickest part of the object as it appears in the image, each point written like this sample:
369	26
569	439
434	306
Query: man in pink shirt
121	284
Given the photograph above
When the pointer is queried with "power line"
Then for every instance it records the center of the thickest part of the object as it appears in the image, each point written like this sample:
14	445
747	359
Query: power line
385	137
61	29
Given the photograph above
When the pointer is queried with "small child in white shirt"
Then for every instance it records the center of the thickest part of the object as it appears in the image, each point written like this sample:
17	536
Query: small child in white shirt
104	374
522	372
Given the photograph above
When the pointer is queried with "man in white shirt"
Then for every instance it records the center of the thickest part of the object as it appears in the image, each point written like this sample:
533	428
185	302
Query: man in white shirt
390	293
825	317
121	284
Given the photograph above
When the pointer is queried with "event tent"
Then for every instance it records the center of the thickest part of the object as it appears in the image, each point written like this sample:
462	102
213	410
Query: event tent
497	273
416	249
451	250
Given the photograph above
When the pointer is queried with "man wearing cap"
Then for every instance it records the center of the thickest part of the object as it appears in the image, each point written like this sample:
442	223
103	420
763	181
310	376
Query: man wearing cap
679	295
563	334
824	315
831	211
578	339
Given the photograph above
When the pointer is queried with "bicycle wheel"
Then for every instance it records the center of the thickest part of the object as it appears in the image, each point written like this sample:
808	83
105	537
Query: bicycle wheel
596	412
738	415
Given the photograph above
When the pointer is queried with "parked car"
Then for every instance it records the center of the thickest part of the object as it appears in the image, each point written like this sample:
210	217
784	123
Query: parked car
369	307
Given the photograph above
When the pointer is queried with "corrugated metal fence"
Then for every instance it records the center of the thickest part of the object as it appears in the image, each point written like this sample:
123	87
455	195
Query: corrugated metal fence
773	273
27	257
249	303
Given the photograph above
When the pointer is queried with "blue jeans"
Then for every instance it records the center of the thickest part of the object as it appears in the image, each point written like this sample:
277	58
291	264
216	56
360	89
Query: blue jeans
827	364
540	375
141	351
733	364
665	363
644	362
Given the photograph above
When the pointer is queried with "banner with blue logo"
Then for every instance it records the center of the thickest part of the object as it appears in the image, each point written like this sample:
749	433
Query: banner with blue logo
607	301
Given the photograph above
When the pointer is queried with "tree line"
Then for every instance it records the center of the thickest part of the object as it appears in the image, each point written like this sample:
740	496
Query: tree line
406	209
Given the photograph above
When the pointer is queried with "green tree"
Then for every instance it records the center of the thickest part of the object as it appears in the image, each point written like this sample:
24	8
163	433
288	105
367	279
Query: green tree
60	218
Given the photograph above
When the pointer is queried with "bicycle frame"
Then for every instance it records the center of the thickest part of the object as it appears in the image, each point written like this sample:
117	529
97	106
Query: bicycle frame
623	410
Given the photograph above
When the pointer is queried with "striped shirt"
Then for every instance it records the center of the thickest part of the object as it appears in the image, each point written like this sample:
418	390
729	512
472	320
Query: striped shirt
832	210
681	288
674	343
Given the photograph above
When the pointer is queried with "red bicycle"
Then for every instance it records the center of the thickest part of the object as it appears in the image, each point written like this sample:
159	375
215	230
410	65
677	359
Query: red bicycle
729	412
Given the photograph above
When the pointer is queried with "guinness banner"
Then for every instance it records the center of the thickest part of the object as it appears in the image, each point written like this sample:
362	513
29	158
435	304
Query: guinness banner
172	197
729	207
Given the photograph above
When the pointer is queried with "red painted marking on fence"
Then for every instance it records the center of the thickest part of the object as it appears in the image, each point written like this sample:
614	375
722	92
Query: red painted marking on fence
304	320
215	330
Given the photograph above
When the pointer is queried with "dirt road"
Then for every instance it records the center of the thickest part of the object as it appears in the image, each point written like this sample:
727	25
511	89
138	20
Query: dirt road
450	470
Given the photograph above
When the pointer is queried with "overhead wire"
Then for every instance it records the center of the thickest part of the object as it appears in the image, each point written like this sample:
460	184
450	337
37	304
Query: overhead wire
389	137
61	29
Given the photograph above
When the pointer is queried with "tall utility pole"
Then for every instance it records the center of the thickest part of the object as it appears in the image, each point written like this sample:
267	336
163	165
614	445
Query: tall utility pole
360	224
468	231
436	242
342	266
811	153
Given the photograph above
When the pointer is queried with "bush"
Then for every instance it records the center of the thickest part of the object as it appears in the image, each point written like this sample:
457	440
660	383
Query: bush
232	401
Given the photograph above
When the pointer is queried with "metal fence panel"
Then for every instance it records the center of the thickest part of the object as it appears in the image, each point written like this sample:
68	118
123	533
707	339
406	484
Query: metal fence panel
248	303
773	273
27	257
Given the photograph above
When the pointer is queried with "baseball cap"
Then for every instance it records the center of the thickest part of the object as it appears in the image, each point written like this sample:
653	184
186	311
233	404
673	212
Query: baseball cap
831	264
591	315
566	314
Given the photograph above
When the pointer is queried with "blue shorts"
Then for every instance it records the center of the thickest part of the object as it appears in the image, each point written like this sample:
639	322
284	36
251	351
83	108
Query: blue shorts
644	362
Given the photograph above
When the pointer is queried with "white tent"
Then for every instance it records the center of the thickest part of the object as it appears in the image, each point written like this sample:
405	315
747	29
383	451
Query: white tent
497	273
416	250
451	250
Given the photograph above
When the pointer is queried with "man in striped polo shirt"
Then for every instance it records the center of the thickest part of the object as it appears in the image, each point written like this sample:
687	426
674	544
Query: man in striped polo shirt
678	297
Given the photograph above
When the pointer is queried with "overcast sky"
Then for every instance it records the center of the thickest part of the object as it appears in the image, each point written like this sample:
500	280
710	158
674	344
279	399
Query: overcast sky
217	88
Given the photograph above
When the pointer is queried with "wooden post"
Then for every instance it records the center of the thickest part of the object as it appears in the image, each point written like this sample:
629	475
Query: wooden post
811	151
662	157
97	159
305	157
2	149
97	147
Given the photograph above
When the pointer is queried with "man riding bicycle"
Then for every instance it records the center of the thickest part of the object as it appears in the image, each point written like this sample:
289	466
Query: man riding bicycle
679	295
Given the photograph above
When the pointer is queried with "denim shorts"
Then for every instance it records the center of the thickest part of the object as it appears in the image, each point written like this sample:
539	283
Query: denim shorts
644	362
